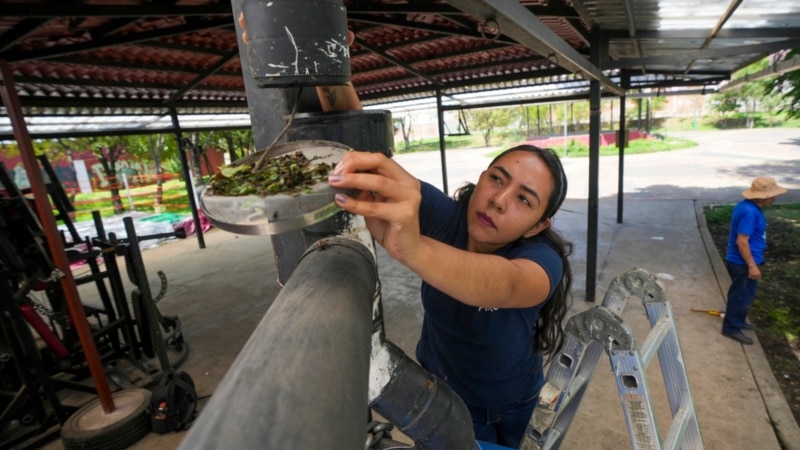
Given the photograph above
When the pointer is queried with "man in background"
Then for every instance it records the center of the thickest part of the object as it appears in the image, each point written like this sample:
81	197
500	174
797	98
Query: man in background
745	255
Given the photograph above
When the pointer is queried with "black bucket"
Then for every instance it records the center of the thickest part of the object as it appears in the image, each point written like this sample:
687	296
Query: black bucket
367	130
297	42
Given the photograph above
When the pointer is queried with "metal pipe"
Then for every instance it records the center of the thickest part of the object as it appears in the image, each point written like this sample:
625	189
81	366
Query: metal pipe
418	403
300	380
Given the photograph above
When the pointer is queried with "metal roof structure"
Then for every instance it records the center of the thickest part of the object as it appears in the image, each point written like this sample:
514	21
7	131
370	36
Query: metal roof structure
100	58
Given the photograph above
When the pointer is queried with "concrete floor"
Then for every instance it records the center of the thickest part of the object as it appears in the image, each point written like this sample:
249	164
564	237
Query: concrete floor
220	293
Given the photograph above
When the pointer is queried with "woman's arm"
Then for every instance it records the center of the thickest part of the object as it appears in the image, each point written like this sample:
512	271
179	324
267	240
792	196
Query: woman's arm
480	279
390	199
339	98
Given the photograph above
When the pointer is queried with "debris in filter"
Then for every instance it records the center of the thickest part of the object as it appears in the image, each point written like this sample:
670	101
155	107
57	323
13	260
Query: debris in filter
292	173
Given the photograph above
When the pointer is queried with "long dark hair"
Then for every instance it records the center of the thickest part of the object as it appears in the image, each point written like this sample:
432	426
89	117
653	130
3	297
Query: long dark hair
549	336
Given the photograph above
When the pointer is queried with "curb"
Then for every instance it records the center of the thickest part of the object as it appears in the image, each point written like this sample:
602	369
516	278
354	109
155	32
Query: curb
786	428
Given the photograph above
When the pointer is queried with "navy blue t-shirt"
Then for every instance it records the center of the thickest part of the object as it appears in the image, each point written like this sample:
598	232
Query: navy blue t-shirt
485	354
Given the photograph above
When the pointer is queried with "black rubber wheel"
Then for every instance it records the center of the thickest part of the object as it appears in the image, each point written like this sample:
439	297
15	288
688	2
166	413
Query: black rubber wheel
90	428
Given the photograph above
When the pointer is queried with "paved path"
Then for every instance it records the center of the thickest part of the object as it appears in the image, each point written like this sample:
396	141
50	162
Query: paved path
717	170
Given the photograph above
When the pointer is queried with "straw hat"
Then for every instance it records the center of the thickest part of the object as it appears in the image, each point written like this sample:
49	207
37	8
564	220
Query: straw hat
763	187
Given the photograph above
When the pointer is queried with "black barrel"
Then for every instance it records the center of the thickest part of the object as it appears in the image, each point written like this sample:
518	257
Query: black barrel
297	42
367	130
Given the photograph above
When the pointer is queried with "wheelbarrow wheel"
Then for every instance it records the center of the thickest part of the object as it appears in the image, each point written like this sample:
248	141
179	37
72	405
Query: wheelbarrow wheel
91	428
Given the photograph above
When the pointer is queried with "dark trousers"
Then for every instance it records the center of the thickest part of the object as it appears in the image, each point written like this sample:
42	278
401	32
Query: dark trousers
504	425
740	298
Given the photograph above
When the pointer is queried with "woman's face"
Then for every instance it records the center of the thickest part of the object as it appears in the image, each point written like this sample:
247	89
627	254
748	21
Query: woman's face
509	201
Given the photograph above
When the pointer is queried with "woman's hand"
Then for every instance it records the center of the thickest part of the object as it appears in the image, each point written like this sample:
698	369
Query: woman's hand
389	200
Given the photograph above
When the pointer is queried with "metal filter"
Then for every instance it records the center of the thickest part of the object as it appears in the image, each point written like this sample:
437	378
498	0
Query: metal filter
279	213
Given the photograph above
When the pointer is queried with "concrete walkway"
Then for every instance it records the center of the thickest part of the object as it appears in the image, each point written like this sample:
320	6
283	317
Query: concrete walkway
220	293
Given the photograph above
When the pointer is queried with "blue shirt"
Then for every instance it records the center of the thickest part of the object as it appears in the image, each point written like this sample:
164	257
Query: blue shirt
485	355
748	219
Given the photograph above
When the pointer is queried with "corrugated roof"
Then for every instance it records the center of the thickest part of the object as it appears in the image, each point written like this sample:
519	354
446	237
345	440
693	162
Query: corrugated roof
119	57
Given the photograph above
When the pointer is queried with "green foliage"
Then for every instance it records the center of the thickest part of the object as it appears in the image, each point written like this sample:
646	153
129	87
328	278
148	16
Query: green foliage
575	148
658	103
487	120
578	149
720	214
431	144
173	165
289	174
788	87
725	102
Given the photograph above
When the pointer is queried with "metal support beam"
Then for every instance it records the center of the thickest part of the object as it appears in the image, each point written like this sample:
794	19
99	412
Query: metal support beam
594	169
517	22
187	176
440	116
622	143
710	53
720	23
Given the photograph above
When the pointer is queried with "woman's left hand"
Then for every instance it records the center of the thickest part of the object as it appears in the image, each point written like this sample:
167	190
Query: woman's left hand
389	200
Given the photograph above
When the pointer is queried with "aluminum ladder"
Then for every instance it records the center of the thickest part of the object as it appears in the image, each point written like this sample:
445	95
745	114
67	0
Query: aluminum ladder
602	329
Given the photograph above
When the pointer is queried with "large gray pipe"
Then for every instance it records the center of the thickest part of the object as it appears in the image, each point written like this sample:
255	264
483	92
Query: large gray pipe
300	382
422	406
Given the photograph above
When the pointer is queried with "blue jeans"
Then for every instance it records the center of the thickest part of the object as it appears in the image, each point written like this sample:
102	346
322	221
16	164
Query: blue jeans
504	425
740	298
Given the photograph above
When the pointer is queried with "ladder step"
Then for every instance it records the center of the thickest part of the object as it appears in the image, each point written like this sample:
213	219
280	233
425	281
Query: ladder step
654	339
678	428
576	386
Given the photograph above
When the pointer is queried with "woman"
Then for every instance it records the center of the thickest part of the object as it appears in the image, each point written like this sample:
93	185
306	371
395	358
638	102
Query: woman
496	278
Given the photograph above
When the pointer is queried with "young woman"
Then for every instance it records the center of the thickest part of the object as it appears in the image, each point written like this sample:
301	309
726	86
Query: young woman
496	277
495	274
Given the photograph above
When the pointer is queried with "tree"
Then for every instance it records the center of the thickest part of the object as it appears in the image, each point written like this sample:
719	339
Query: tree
752	95
237	143
108	151
487	120
404	123
787	86
725	102
153	147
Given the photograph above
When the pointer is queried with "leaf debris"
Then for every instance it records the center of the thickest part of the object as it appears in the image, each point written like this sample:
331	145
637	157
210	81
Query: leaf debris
285	174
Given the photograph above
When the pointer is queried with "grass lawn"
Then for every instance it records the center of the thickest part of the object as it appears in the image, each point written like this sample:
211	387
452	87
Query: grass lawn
174	200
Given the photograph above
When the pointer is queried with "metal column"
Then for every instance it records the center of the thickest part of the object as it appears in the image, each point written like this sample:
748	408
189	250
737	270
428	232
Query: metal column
622	142
440	116
187	176
594	168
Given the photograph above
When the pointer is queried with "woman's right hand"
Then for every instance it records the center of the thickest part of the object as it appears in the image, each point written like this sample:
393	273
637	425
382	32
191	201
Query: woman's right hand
389	200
